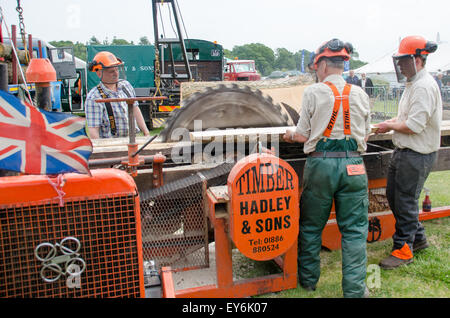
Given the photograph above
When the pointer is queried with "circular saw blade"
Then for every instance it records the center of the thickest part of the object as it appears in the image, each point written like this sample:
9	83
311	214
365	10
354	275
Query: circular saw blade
225	106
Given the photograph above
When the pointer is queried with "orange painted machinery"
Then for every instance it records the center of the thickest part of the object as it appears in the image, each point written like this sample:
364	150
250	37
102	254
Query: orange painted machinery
91	236
70	236
257	212
381	219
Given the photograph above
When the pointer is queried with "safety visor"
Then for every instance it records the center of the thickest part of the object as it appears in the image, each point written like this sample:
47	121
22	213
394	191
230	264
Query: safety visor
405	67
113	74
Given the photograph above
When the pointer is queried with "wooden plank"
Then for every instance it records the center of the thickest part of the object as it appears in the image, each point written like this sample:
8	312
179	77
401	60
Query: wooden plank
110	148
220	193
238	135
117	147
246	133
111	142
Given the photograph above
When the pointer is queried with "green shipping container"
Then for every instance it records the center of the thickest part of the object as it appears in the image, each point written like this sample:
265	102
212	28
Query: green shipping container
138	60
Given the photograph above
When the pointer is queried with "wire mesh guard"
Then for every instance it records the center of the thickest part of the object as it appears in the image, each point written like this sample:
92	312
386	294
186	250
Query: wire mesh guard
105	229
173	227
174	224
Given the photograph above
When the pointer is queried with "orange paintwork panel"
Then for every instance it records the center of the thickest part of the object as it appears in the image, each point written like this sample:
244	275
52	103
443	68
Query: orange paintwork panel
265	210
381	227
331	237
103	181
225	285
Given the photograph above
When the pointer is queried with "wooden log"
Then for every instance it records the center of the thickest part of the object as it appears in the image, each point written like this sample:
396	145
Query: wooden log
19	76
7	52
189	88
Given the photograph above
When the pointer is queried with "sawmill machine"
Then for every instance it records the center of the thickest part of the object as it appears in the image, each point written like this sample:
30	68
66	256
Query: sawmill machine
176	225
151	207
118	232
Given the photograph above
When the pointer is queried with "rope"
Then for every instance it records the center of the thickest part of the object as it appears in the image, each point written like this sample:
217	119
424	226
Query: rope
58	188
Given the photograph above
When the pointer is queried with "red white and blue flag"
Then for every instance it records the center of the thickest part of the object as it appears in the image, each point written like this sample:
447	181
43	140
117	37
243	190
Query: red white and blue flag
35	141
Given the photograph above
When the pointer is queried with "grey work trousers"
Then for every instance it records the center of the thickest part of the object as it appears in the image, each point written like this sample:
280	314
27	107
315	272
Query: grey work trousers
408	171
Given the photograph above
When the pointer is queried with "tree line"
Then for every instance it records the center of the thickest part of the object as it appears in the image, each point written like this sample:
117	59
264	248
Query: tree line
266	59
79	49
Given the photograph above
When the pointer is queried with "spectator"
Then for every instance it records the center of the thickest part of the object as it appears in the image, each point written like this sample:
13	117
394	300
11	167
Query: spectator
438	79
366	84
353	79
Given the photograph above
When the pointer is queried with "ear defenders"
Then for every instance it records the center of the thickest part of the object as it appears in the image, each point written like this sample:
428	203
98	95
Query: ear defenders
430	47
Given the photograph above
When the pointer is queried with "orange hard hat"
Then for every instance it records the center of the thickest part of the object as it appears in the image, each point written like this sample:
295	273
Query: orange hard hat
415	45
334	48
104	59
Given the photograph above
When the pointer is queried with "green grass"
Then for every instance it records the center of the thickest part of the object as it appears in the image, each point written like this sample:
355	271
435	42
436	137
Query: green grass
439	185
156	131
427	277
378	108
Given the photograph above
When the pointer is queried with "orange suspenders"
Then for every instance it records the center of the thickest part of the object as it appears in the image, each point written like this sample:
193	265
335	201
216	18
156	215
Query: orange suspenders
337	105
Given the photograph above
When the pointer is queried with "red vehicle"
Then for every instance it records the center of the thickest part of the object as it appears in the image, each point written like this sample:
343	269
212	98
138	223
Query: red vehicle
241	70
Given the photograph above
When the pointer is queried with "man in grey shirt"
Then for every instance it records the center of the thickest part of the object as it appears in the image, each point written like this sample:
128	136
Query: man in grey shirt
417	138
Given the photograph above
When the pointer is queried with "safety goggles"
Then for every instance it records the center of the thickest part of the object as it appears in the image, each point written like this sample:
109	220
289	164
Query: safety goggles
335	45
113	74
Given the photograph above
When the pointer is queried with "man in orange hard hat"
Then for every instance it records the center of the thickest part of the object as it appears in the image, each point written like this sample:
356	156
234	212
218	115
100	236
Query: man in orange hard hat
416	136
110	119
334	139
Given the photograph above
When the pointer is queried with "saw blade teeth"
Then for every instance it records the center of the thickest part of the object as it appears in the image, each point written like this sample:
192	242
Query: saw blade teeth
235	105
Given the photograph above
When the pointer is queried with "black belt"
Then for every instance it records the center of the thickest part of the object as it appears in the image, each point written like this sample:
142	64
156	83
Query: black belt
335	154
404	149
410	150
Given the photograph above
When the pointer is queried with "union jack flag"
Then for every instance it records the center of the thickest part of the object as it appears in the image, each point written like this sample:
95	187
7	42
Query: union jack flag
34	141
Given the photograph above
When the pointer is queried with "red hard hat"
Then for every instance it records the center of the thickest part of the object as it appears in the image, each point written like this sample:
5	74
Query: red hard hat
415	45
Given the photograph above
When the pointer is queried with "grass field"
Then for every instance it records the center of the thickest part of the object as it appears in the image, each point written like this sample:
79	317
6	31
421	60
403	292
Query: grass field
427	277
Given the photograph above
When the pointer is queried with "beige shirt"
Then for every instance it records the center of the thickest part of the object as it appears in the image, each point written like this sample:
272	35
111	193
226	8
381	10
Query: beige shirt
317	107
421	108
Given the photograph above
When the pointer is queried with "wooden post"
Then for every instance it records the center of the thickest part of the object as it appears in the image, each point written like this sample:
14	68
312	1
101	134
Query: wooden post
14	60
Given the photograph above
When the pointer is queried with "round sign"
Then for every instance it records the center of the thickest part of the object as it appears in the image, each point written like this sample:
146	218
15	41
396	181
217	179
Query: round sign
264	193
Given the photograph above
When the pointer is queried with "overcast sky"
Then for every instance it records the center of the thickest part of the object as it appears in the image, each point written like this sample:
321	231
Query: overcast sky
373	27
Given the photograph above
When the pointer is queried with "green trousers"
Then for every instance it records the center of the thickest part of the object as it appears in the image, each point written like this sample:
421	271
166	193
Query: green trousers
325	179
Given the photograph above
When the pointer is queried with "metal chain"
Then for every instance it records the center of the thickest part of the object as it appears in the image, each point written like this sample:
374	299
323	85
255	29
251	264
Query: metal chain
157	77
19	9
